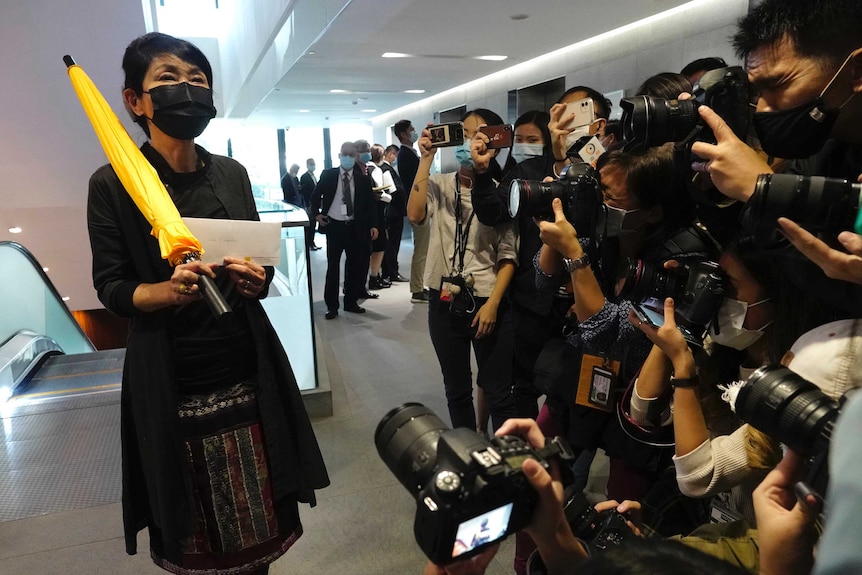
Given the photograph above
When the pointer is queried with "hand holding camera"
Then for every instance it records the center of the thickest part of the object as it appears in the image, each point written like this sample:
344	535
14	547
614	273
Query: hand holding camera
427	147
834	263
560	234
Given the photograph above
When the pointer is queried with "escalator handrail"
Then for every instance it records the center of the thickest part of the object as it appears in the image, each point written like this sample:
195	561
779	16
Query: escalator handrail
48	283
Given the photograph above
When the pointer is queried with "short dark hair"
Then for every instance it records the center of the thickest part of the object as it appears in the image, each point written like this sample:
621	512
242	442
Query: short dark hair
601	105
391	149
539	119
703	65
667	85
640	556
400	127
141	52
826	29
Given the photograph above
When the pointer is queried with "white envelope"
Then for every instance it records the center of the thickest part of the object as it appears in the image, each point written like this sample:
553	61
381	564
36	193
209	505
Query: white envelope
258	241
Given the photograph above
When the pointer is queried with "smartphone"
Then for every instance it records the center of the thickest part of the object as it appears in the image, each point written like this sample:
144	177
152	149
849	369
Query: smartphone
579	113
654	318
498	136
443	135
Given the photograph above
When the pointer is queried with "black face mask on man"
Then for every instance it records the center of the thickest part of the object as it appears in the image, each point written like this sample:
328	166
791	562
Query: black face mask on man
800	131
182	110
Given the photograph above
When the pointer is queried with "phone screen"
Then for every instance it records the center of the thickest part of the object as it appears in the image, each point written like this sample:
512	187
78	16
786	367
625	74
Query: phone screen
647	313
482	529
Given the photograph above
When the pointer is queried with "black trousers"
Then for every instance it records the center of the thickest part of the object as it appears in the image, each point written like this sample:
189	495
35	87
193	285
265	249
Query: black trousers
394	229
453	338
354	241
532	332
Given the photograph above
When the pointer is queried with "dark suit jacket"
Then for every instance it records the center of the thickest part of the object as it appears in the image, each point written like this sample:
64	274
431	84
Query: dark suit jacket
408	164
306	188
398	206
364	202
290	189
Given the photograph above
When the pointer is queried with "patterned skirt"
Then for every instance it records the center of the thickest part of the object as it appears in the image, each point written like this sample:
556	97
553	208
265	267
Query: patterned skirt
237	528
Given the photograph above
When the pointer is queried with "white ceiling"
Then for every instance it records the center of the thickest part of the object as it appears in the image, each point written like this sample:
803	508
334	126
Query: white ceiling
447	34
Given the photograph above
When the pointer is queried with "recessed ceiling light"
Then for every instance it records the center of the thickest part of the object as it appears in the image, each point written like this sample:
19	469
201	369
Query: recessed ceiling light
45	270
337	91
492	57
369	110
65	298
395	55
311	53
414	91
15	230
304	111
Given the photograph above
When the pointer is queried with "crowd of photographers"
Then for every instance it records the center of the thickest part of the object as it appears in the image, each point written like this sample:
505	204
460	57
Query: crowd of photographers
686	298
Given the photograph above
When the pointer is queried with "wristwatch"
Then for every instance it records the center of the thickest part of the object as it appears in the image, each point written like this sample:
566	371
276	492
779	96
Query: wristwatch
572	265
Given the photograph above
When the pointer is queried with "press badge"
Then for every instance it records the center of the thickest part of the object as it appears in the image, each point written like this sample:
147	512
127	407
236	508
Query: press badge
445	289
720	510
597	382
344	210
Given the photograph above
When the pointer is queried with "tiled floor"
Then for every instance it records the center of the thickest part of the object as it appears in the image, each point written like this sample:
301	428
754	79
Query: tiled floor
362	524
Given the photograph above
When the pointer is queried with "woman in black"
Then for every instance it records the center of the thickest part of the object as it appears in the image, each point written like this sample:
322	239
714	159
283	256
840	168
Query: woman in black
217	447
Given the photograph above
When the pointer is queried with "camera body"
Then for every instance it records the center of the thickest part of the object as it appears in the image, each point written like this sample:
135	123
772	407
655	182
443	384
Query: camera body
470	491
598	529
578	189
697	288
648	122
457	289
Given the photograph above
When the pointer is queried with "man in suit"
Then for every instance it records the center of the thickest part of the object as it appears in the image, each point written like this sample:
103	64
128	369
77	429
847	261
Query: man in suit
344	207
290	186
395	214
408	163
306	189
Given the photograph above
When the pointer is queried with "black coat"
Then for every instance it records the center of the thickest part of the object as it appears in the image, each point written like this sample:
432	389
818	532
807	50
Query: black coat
306	188
408	164
398	206
125	254
364	201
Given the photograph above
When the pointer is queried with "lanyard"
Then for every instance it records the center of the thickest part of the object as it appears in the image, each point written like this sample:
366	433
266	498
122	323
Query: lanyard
462	231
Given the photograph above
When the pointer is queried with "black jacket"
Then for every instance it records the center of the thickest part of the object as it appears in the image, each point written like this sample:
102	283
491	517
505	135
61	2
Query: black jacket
306	188
364	201
408	164
125	255
398	206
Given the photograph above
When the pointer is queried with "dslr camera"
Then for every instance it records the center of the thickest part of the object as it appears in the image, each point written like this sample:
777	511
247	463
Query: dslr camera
578	189
470	491
697	289
794	411
817	203
648	122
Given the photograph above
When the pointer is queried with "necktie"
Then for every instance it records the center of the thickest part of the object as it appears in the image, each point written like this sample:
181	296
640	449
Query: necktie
345	190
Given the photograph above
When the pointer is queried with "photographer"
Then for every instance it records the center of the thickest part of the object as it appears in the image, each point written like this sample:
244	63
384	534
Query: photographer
469	268
537	316
648	217
805	62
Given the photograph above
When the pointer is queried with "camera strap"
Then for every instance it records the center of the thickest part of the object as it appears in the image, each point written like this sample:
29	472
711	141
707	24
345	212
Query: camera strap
462	230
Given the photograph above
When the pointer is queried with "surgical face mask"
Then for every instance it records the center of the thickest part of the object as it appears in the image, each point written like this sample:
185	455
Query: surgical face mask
614	222
730	317
462	154
414	136
310	167
521	151
365	157
347	162
800	131
182	110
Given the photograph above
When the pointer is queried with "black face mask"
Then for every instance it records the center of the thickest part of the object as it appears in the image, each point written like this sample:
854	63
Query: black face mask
797	132
182	111
800	131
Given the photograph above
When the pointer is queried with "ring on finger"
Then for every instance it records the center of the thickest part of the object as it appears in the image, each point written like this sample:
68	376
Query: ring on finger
183	288
246	285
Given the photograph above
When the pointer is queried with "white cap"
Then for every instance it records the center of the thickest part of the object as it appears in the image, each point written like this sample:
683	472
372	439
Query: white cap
830	356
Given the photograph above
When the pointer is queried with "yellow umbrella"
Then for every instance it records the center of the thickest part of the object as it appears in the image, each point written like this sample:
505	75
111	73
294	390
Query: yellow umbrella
142	183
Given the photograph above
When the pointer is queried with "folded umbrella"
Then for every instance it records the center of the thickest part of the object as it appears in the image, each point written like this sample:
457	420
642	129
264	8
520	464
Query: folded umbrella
141	181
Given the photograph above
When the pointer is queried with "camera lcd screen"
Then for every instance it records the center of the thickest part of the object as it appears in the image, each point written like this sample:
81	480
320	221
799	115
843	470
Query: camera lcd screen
482	529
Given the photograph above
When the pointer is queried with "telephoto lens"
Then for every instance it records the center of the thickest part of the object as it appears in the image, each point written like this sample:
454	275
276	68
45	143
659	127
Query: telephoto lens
817	203
406	440
648	122
789	408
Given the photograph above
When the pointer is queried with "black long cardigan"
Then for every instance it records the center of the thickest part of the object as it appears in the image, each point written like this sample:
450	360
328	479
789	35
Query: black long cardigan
156	492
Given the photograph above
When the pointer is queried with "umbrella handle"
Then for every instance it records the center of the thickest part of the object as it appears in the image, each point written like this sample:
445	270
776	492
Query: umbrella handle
211	294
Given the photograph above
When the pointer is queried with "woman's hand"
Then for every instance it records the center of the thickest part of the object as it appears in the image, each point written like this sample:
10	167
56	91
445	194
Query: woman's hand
669	339
426	150
480	153
485	319
184	282
560	234
248	276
